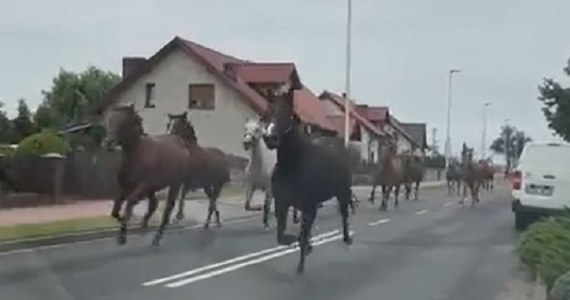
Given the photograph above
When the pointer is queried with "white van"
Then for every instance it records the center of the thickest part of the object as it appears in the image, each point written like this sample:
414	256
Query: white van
541	182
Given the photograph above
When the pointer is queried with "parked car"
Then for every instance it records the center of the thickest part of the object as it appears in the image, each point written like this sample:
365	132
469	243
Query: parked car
540	184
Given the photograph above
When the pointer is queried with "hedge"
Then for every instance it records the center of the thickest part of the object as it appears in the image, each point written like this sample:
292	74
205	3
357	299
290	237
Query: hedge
561	288
545	248
40	144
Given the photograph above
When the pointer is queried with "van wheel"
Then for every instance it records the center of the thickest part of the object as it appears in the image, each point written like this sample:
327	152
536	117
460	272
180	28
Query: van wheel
522	220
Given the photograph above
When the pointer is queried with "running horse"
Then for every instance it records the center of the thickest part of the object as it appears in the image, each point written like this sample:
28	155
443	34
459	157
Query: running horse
489	181
213	175
453	177
258	172
389	175
414	173
306	174
474	175
148	165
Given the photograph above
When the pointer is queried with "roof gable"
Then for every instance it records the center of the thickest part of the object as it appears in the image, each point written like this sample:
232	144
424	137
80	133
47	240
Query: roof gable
339	101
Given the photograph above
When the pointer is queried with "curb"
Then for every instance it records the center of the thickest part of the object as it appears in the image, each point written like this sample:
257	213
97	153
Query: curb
89	235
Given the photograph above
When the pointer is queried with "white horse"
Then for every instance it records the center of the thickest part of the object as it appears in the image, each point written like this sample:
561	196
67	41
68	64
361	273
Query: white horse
259	169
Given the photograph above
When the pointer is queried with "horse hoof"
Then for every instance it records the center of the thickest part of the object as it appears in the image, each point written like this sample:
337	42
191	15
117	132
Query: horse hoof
156	241
219	224
180	217
348	240
121	240
206	225
300	269
309	249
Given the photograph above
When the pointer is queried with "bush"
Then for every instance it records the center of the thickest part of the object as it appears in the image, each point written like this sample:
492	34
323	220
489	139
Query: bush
435	162
561	288
40	144
6	150
545	248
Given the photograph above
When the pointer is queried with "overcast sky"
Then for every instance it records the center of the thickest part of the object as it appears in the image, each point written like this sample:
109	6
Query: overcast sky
402	49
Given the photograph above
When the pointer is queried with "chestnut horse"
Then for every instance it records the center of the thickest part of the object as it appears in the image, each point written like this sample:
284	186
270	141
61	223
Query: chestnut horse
390	174
474	174
214	174
148	165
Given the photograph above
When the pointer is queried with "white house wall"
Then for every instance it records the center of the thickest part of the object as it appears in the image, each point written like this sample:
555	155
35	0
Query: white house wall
222	127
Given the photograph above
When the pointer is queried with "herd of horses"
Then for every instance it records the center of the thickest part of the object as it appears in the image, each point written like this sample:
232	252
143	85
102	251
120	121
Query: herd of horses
473	174
292	167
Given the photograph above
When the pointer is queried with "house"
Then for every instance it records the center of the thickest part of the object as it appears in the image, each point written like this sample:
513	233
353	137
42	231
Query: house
363	134
220	92
418	133
381	117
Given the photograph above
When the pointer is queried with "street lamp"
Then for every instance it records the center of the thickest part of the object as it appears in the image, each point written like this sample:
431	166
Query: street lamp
448	129
347	75
484	134
507	138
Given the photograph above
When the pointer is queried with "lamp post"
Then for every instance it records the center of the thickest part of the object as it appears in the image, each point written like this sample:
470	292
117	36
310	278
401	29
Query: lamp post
484	134
448	125
347	75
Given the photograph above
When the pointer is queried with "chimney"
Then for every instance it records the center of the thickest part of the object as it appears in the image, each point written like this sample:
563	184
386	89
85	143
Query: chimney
132	64
230	70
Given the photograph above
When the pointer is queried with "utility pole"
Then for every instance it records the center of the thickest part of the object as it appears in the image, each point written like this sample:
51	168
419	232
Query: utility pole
347	75
448	127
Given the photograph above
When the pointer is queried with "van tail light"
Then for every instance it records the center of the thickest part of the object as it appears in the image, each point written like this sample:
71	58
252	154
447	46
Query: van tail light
516	180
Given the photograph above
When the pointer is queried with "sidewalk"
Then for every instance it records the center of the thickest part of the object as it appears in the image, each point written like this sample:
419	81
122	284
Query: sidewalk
194	209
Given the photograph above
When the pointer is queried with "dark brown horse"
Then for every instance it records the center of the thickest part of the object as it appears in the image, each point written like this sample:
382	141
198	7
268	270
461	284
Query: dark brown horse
453	177
474	175
149	164
489	180
390	174
212	177
414	174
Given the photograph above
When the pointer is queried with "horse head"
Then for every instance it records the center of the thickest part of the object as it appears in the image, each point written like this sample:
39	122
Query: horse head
253	132
280	119
179	124
123	125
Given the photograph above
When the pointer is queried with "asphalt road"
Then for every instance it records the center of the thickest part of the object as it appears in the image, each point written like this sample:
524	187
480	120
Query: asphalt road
430	249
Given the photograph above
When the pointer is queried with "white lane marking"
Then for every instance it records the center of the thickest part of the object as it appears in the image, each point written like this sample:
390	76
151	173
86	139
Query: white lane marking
421	212
446	204
96	240
247	263
231	261
381	221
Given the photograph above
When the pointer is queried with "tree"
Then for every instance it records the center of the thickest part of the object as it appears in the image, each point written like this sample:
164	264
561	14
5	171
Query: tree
6	132
510	143
70	100
556	109
22	124
72	95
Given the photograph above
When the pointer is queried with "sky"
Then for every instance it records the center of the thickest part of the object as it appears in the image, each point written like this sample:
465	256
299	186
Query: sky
402	50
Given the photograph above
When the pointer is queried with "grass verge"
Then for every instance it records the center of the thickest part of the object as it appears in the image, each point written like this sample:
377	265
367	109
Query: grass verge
24	231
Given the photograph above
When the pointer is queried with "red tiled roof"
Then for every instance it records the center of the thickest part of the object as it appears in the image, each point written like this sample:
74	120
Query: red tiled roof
308	106
338	123
373	113
339	101
265	72
311	109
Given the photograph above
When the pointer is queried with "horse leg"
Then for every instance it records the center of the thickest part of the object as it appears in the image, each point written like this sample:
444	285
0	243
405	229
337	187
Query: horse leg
211	206
385	195
416	190
249	190
371	199
396	195
408	189
173	191
117	205
131	200
185	189
217	191
344	202
307	218
152	204
281	211
266	209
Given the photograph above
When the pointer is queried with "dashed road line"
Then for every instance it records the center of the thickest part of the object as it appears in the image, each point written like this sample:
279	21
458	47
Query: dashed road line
381	221
421	212
446	204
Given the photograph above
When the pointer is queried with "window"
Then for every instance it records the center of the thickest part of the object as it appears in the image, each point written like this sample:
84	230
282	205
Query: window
149	95
201	96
